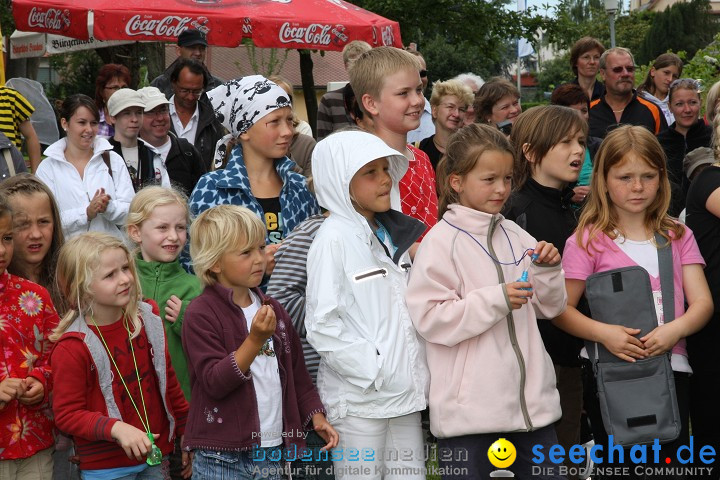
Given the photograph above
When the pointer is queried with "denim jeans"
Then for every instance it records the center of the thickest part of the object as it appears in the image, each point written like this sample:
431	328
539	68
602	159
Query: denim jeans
247	465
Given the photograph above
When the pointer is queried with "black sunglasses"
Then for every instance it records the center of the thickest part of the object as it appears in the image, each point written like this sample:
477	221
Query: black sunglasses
423	73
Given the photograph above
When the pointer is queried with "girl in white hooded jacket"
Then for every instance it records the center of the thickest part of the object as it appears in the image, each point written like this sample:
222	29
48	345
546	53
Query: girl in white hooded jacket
373	377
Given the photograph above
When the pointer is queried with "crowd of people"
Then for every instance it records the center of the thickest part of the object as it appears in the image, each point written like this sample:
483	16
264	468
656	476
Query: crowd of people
191	285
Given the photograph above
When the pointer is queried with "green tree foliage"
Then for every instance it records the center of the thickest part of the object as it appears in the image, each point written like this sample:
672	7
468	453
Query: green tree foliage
77	72
705	65
573	21
554	72
685	25
7	22
446	60
457	36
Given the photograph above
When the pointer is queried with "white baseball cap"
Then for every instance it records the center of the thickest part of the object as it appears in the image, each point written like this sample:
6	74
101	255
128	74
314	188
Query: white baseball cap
152	97
122	99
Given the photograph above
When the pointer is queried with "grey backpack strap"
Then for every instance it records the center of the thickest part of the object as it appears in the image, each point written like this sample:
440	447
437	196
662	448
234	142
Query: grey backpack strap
9	161
667	282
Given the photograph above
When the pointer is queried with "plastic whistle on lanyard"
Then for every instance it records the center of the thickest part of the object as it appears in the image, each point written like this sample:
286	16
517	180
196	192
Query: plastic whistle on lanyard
524	276
155	455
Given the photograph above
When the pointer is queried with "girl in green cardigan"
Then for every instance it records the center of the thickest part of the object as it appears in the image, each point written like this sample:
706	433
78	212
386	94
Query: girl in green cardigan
157	222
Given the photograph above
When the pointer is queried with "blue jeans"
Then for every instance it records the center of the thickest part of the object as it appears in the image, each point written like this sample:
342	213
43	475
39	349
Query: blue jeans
217	465
157	472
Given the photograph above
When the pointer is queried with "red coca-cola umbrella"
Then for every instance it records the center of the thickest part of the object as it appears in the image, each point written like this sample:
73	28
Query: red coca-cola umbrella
298	24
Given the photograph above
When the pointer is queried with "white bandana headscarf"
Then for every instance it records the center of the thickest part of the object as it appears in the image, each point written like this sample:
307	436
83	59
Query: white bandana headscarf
240	103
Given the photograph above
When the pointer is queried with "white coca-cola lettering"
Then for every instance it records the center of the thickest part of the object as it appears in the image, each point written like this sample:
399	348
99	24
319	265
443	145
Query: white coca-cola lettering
200	24
170	26
52	19
387	36
314	34
247	27
339	35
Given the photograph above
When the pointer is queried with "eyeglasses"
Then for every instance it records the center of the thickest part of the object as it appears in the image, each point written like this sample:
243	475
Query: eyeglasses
423	73
627	68
688	83
451	107
187	91
158	113
115	88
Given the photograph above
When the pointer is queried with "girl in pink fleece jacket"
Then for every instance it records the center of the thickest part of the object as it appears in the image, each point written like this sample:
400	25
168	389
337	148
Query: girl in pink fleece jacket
471	301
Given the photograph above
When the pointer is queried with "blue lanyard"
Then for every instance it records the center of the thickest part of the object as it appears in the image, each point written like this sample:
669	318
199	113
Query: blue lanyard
515	261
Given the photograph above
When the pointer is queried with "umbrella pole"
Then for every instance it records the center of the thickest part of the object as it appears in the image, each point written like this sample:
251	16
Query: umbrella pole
308	86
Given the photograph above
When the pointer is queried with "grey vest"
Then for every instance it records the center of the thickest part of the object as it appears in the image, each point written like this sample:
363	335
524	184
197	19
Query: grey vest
156	335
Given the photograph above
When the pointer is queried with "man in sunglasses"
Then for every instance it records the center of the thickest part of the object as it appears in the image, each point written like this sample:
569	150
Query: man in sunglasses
620	104
191	114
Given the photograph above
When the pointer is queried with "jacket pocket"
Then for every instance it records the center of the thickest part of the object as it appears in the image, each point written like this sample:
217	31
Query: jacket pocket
369	274
460	376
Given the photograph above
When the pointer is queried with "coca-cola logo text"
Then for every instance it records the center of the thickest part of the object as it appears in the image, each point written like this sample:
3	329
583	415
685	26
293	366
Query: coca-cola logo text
314	34
170	26
387	36
247	26
52	19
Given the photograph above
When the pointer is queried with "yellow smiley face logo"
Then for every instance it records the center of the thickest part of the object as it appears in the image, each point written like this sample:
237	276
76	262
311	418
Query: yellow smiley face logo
502	453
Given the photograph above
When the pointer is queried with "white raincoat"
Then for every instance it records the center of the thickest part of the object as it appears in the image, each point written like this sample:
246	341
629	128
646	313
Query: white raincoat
372	364
73	192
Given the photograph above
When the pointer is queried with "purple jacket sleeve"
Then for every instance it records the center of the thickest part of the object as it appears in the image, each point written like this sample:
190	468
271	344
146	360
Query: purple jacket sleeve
211	359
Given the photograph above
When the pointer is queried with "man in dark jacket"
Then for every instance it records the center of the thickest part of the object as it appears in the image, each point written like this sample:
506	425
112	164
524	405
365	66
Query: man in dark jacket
192	117
191	43
620	104
183	162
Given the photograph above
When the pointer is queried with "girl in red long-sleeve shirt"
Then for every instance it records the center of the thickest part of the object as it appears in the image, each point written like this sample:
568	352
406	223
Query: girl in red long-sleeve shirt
118	392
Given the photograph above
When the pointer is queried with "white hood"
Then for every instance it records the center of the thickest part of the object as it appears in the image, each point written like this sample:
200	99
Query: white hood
338	157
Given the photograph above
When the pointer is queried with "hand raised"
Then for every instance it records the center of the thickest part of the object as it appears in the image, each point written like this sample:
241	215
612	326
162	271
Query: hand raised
263	324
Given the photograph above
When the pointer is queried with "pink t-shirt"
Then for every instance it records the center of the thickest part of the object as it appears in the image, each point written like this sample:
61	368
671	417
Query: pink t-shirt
579	264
